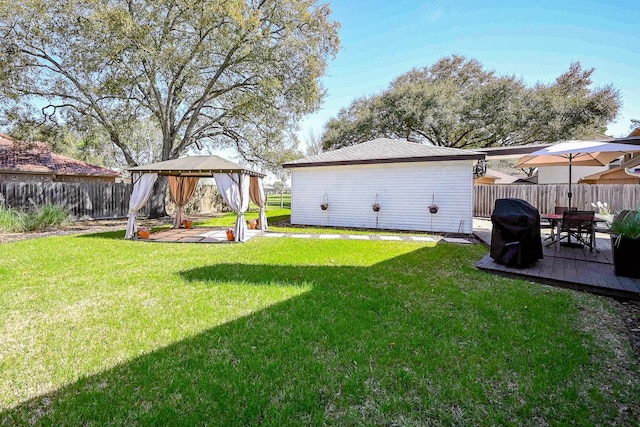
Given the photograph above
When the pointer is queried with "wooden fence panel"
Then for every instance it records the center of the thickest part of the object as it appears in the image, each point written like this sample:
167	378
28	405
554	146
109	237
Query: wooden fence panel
97	200
83	200
546	197
105	200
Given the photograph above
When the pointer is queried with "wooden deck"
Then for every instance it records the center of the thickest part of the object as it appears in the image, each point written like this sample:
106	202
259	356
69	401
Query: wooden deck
575	268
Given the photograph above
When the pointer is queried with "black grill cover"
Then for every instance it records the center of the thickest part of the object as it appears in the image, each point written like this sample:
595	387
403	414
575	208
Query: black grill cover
515	239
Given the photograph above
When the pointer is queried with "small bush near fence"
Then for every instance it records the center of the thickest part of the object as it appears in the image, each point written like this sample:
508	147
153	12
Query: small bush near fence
47	216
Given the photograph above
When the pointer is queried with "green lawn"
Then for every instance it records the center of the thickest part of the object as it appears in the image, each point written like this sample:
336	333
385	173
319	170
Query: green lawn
278	222
95	330
279	201
228	219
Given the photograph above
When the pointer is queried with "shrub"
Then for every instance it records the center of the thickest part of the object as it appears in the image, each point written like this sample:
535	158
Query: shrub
45	217
13	220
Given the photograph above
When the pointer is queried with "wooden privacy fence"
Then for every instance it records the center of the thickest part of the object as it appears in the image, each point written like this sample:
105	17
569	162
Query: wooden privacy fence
83	200
96	200
546	197
105	200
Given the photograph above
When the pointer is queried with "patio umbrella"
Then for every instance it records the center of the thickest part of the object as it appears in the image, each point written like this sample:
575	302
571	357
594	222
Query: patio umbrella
578	153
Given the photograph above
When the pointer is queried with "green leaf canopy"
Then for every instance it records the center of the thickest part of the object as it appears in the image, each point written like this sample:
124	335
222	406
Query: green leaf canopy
457	103
215	73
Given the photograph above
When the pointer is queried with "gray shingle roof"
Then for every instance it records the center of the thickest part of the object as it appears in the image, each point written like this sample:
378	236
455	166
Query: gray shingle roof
385	150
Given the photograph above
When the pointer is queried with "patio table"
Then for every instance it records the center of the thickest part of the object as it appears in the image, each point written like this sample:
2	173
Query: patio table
556	219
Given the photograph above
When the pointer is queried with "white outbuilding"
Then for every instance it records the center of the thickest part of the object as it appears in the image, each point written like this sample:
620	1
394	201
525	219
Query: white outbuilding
386	184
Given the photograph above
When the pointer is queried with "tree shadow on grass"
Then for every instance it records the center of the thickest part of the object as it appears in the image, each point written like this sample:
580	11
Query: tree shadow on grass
278	218
364	345
118	234
110	235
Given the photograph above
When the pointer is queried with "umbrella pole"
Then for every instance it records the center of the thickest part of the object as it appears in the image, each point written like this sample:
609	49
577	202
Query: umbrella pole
569	195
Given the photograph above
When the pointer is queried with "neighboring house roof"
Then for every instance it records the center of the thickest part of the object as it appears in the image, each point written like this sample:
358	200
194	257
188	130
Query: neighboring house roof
63	165
528	180
201	166
385	150
634	133
36	158
632	138
22	158
501	177
617	173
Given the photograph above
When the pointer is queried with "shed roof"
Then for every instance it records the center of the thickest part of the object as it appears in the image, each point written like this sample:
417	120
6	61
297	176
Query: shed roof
200	166
385	150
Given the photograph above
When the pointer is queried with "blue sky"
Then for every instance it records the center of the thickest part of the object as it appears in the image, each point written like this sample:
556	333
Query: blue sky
536	41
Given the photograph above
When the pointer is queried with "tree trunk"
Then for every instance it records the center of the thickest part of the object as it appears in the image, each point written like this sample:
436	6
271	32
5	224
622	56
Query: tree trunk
156	199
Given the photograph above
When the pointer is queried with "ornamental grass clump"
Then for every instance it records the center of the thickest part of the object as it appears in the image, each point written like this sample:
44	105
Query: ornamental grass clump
47	216
627	226
11	220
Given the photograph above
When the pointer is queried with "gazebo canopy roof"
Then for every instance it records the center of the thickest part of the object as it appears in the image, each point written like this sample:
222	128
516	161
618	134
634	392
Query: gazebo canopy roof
197	166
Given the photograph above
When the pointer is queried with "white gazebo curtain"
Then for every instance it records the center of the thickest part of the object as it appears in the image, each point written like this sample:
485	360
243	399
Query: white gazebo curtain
256	192
181	189
234	188
142	186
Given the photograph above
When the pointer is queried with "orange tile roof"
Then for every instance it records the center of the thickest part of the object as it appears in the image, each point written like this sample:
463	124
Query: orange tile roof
36	157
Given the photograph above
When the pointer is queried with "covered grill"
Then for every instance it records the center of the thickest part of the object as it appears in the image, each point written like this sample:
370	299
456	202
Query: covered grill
515	239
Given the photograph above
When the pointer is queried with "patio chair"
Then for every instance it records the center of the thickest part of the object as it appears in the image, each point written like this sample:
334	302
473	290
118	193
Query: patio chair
551	224
559	210
577	224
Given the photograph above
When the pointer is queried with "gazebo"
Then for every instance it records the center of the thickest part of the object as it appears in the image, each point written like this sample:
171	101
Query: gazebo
236	184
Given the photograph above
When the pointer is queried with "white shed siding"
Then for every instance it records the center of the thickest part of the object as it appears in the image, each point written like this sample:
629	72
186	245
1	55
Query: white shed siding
560	174
404	190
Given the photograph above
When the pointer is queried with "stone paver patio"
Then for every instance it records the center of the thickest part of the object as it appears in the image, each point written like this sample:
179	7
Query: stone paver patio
218	235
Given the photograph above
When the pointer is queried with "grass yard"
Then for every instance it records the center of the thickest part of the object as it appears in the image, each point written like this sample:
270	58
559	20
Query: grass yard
276	217
95	330
228	219
275	200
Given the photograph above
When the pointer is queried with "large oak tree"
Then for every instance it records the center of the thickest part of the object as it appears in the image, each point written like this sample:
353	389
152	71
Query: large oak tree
457	103
216	73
